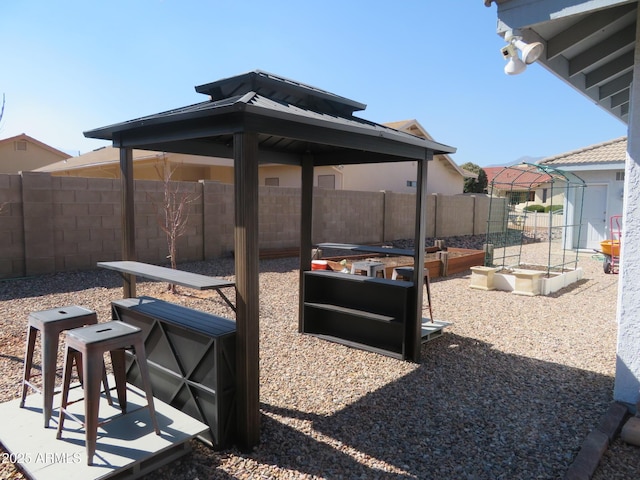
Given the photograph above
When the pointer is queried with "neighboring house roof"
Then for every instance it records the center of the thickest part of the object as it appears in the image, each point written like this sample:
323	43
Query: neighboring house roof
22	153
96	158
612	151
414	128
517	177
27	138
109	155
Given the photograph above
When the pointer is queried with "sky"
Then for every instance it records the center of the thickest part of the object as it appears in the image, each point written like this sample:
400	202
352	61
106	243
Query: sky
69	66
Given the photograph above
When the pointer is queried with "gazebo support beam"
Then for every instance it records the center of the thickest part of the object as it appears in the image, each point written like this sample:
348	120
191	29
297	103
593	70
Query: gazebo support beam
306	229
128	219
414	332
245	152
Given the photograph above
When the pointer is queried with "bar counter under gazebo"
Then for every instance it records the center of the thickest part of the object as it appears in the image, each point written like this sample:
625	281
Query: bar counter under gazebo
254	118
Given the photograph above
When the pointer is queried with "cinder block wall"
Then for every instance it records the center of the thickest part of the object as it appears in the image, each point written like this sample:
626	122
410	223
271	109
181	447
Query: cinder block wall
481	214
53	224
217	207
151	239
86	221
454	215
39	223
345	216
12	245
279	216
399	215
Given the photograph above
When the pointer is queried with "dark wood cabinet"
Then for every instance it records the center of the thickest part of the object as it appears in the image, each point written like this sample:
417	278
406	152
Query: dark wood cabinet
362	312
191	358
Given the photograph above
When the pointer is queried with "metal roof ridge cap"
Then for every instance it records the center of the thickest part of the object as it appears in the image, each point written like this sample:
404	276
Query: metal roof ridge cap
314	91
243	101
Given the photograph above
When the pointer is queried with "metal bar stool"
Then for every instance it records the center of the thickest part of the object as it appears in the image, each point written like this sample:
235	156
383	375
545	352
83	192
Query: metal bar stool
50	323
92	343
407	272
371	267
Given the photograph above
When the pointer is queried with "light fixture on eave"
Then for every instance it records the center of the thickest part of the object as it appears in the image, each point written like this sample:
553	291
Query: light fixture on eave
530	53
514	66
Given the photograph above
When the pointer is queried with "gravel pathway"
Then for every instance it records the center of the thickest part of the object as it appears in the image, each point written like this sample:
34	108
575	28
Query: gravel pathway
509	392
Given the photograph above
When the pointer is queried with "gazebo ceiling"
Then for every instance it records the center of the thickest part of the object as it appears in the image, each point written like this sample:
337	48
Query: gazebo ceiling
290	118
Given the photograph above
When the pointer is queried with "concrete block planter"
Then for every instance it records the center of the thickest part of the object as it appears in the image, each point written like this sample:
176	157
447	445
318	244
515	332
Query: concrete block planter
527	282
523	281
482	278
557	281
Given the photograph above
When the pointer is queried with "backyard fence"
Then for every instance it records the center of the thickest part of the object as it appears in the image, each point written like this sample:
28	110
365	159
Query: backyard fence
538	225
55	224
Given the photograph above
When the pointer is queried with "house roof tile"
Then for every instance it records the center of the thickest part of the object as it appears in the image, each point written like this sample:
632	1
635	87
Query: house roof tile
515	177
611	151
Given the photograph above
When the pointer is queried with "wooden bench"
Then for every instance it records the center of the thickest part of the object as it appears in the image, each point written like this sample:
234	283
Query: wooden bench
191	359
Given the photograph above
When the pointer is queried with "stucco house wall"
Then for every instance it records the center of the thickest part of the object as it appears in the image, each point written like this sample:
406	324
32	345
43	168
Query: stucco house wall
401	177
289	176
601	166
23	153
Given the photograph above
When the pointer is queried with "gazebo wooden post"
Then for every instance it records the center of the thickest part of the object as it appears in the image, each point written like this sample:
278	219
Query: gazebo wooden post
306	229
128	218
414	340
245	154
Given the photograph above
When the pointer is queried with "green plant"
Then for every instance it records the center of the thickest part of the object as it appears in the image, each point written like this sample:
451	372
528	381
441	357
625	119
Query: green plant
552	208
475	185
534	208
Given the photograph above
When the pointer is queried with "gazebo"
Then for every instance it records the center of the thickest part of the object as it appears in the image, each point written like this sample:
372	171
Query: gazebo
260	117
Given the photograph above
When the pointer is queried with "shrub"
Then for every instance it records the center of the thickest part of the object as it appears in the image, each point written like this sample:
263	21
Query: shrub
552	208
534	208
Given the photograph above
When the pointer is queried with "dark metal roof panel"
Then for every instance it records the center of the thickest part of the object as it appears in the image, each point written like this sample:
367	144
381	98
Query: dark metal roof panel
282	89
290	119
260	105
353	124
201	109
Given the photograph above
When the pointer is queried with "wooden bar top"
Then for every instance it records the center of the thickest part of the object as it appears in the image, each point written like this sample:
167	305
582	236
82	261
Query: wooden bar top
169	275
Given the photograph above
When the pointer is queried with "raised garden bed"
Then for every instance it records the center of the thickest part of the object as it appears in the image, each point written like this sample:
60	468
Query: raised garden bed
438	263
530	280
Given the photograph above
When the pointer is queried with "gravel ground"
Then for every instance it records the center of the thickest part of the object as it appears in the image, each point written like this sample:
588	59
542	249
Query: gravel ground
509	392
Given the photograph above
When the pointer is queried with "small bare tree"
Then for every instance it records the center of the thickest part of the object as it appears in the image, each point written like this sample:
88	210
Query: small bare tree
174	212
2	109
2	205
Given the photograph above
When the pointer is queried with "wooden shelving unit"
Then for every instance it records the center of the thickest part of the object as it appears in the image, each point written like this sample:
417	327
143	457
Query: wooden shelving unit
358	311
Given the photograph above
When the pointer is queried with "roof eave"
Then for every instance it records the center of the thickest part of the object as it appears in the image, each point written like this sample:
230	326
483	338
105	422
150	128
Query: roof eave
108	132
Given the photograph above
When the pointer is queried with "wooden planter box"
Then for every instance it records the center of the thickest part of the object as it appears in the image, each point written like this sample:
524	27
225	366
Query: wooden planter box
462	259
459	260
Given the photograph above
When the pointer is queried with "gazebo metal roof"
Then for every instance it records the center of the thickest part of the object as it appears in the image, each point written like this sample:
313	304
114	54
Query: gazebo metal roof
260	117
291	118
